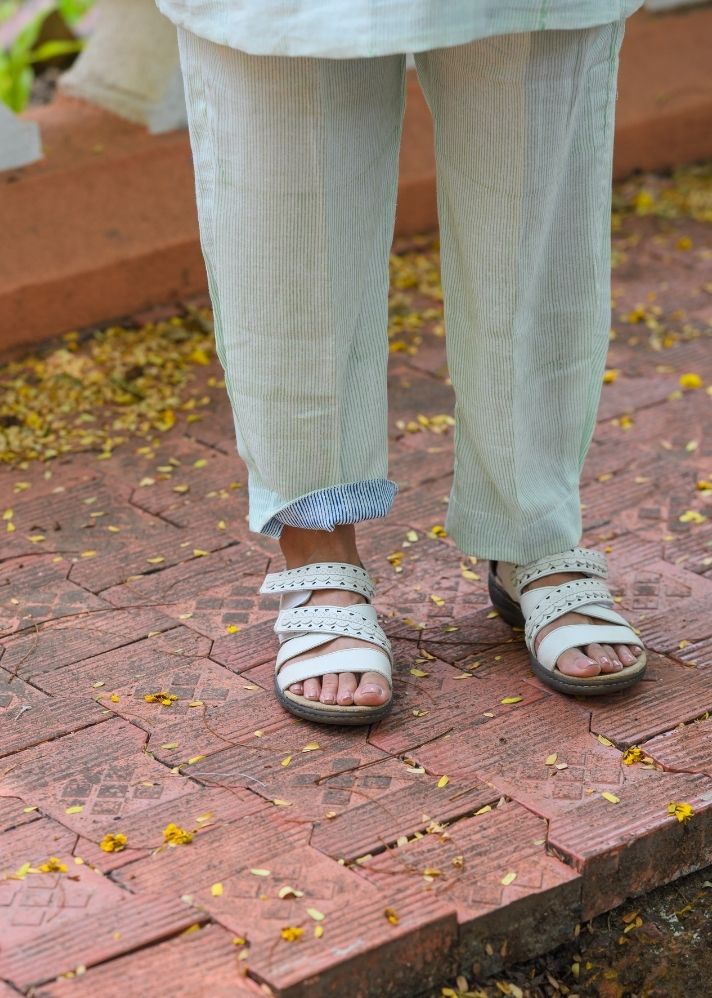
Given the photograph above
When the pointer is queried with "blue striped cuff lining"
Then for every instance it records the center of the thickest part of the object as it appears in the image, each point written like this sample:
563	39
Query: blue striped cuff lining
324	509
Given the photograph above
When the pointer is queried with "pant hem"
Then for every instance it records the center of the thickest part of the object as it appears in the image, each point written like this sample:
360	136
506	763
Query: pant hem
484	535
327	508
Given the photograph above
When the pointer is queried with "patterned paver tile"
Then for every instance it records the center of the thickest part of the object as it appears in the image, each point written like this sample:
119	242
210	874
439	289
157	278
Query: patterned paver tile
547	759
355	951
68	529
197	964
32	903
28	717
145	657
489	867
687	749
669	694
221	850
211	703
14	811
97	934
93	780
629	847
209	594
33	590
83	635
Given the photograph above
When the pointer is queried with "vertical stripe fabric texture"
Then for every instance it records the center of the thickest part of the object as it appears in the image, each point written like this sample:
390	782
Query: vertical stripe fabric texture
296	167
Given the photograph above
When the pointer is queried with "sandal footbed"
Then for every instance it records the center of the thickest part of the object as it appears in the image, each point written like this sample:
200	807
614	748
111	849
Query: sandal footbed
611	682
323	713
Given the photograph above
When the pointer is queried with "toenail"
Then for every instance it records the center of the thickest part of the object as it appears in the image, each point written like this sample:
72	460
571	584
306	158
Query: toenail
328	699
371	688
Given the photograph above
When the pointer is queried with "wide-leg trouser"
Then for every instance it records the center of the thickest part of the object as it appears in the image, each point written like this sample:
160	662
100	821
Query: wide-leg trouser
296	166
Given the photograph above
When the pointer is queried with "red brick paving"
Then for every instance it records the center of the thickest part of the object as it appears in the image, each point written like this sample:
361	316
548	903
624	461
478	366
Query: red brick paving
498	862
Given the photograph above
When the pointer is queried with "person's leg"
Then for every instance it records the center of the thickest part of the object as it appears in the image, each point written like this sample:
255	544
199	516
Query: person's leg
524	135
296	164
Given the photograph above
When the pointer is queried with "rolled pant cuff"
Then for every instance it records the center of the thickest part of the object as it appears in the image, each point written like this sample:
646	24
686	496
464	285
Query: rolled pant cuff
323	509
495	537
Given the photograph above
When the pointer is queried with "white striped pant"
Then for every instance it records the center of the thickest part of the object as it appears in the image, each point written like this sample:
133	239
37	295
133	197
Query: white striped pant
296	166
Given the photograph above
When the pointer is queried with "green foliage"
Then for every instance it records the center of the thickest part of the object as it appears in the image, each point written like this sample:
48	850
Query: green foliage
18	61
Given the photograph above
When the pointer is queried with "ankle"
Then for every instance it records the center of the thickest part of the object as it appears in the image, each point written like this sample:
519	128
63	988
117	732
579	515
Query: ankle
304	547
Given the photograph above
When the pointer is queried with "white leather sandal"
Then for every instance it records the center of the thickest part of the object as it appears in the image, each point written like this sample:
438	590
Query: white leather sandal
303	628
536	608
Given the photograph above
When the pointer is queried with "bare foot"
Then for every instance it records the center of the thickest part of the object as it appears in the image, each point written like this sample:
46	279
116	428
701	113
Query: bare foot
305	547
590	660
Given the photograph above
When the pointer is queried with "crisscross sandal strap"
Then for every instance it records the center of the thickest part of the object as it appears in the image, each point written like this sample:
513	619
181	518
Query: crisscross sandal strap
357	660
321	575
554	601
354	621
584	560
568	636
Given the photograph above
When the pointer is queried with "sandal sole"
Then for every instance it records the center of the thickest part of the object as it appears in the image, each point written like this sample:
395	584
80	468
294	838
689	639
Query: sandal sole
512	614
310	710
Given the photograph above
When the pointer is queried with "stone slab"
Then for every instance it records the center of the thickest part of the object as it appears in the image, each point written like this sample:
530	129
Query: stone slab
82	635
204	962
470	863
34	903
360	951
77	772
97	935
35	589
627	848
28	717
686	749
145	657
669	694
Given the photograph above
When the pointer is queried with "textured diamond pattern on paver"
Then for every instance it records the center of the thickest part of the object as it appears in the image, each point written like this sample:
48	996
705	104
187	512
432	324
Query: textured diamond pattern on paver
105	772
343	772
83	635
668	694
38	901
28	717
208	594
188	962
193	724
33	590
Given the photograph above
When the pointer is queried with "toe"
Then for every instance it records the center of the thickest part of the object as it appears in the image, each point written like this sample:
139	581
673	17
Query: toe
347	688
604	659
574	663
625	654
297	689
372	690
312	689
329	687
613	656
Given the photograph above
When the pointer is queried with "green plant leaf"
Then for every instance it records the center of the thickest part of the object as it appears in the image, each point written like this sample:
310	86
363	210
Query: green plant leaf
48	50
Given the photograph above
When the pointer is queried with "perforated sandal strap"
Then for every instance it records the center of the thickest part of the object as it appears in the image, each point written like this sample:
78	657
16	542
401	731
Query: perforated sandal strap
555	601
355	621
367	659
584	560
321	575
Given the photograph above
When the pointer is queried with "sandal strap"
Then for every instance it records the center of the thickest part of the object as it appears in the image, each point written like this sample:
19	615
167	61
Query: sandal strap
568	636
354	621
553	602
358	660
321	575
584	560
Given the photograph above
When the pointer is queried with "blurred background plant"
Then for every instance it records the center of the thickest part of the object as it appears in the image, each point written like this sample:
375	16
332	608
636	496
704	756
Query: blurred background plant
46	40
